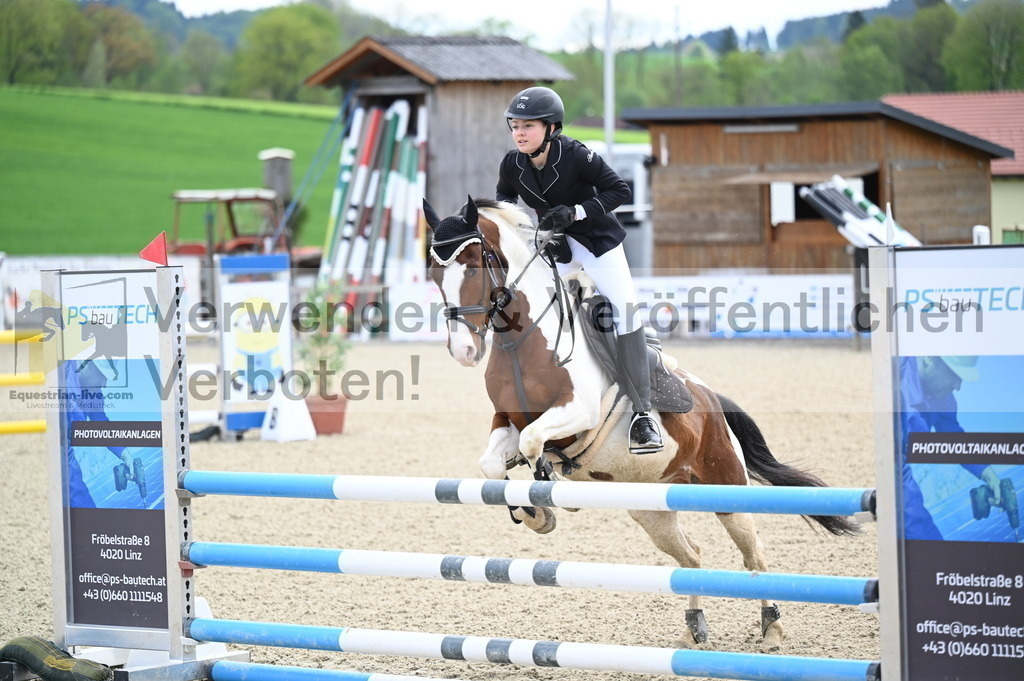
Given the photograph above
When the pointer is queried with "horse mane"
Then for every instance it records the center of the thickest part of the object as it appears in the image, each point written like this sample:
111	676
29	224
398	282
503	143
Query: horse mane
512	219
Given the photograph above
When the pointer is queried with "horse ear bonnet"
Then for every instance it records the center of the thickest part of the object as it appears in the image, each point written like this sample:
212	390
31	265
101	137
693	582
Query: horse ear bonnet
451	236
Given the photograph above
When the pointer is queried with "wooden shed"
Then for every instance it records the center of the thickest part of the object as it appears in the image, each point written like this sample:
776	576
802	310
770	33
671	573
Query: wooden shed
718	173
465	82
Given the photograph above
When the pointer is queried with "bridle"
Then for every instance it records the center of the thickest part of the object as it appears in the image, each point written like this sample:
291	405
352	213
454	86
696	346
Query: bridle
501	295
498	295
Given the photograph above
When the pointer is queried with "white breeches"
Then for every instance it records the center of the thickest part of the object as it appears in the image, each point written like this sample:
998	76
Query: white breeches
614	281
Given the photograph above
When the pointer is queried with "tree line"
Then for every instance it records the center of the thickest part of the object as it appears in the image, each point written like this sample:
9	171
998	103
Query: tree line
935	49
109	45
148	45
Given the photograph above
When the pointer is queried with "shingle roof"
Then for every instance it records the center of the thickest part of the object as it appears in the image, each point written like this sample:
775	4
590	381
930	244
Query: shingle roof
447	58
994	116
478	58
810	111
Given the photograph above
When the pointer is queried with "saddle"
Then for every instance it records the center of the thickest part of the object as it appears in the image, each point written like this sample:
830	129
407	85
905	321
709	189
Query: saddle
668	391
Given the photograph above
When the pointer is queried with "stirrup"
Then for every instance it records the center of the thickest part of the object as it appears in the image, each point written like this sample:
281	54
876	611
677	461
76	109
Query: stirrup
644	436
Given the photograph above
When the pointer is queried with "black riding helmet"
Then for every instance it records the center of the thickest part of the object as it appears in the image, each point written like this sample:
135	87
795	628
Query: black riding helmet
538	103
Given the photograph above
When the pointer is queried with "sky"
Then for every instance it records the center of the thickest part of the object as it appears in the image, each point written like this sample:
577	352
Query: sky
566	23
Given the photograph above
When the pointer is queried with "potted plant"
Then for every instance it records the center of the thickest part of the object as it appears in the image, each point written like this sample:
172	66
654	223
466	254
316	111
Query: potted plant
321	323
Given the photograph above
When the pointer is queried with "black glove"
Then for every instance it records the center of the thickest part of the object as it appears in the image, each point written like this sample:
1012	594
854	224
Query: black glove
558	219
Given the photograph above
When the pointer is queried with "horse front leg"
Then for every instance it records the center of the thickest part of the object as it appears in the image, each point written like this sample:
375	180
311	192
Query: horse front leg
503	448
572	418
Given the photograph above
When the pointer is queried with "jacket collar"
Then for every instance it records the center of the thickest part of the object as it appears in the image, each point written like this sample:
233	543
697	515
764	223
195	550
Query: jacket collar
528	178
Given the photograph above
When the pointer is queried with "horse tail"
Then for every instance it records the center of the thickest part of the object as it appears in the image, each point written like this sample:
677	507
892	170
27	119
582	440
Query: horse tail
763	467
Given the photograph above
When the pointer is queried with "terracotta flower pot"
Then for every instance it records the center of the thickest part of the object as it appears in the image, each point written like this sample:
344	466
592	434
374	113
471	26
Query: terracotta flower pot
328	415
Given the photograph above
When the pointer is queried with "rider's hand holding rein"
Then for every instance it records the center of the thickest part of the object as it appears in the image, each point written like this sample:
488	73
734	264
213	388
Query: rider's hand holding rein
551	227
559	218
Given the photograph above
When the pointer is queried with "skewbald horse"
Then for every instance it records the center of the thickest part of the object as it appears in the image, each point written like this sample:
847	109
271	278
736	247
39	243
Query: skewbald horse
494	282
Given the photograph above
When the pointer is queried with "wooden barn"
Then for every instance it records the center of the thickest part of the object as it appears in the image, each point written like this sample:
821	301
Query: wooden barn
465	82
722	181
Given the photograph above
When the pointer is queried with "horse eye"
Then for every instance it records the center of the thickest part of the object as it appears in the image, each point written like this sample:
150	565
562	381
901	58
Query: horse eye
471	272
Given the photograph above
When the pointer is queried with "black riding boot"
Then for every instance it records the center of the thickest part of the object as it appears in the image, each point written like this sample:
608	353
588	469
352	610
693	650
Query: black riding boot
644	435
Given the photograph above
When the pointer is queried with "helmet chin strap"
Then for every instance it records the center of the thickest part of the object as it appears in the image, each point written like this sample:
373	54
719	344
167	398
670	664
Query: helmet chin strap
541	148
544	145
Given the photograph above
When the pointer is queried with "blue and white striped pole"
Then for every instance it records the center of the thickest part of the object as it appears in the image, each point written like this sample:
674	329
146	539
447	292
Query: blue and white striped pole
564	493
529	572
227	670
585	656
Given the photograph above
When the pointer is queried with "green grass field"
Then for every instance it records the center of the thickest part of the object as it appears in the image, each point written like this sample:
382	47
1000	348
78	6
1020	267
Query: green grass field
83	174
93	172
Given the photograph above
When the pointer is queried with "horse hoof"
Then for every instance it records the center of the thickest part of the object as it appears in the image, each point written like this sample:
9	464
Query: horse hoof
544	522
771	628
492	467
686	642
773	636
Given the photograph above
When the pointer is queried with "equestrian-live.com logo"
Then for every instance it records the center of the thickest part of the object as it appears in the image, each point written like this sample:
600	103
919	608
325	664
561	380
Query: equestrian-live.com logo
96	339
95	336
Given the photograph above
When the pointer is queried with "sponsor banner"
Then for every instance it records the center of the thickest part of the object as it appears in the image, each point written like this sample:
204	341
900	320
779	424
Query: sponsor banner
110	386
958	316
750	306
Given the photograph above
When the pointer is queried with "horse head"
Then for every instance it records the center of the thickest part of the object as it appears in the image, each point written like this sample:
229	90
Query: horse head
467	269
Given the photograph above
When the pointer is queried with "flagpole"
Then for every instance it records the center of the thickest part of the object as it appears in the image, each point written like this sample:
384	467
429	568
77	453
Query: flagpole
609	86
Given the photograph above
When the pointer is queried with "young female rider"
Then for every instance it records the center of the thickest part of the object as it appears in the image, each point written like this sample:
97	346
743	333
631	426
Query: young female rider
575	191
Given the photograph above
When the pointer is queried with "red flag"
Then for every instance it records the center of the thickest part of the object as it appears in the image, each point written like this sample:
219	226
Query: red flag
156	251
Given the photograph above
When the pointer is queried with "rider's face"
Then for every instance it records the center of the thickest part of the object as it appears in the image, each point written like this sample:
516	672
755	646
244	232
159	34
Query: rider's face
527	135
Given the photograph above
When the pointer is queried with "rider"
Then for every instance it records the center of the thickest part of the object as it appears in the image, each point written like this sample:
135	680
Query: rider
575	191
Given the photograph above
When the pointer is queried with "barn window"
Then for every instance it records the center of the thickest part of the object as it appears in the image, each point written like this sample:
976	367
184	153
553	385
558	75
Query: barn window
788	206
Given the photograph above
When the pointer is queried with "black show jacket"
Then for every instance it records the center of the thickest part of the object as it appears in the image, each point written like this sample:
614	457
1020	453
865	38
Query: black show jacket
573	175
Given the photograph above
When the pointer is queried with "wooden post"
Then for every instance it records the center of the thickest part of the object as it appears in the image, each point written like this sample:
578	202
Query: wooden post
277	174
